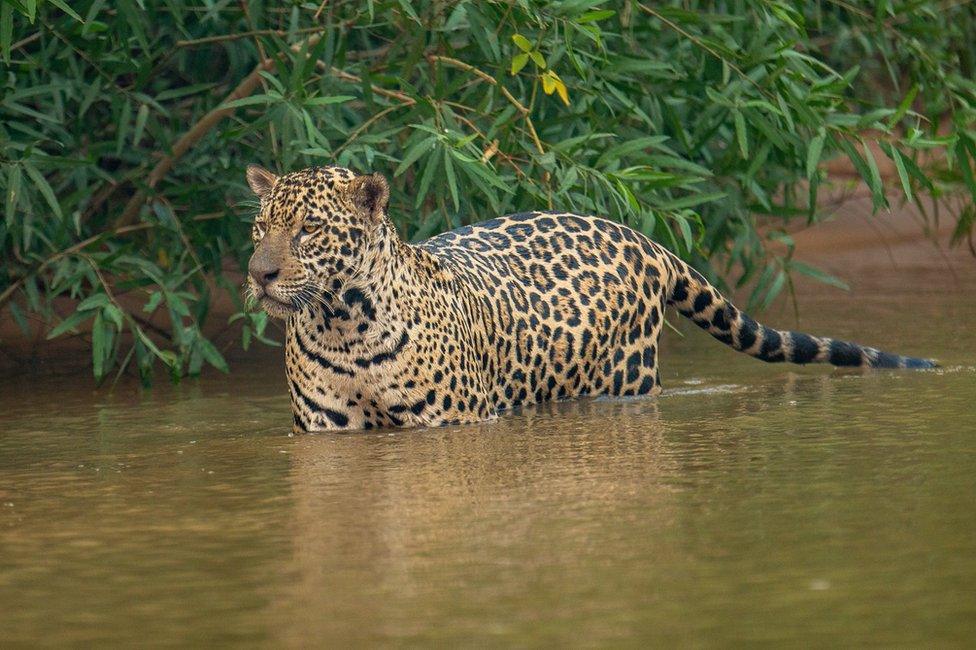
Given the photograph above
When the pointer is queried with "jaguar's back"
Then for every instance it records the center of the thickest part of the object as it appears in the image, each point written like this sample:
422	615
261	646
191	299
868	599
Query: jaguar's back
572	305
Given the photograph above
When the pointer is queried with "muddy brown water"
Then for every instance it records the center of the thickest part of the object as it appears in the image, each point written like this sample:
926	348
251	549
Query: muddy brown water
750	503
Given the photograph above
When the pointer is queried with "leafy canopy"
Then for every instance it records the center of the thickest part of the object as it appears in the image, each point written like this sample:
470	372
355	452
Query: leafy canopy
126	127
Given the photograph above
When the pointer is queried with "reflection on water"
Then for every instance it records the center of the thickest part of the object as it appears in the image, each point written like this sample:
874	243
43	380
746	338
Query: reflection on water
749	503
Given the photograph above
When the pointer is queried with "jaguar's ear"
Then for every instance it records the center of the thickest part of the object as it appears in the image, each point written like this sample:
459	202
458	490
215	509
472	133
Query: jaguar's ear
371	194
260	180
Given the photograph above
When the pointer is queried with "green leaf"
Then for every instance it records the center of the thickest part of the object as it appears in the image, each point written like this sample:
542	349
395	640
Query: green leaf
427	176
965	168
174	300
817	274
254	100
44	188
814	152
69	324
685	228
740	134
593	16
153	303
863	168
902	173
122	132
183	91
114	315
522	43
518	62
141	116
451	178
414	153
211	355
166	356
331	99
95	301
877	187
6	30
774	290
12	194
63	6
903	107
691	201
409	10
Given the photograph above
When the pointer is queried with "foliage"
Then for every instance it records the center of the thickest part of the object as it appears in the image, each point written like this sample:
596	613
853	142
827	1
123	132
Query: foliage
126	126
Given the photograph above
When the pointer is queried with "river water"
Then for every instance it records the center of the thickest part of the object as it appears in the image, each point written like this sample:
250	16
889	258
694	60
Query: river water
749	504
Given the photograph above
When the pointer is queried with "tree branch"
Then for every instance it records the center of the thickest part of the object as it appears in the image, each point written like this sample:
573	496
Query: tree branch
239	35
74	248
198	130
519	106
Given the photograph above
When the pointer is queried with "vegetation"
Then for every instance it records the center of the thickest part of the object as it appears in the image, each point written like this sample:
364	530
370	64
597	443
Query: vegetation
126	126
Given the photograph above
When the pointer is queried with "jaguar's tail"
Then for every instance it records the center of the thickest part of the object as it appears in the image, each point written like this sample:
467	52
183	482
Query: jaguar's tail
697	299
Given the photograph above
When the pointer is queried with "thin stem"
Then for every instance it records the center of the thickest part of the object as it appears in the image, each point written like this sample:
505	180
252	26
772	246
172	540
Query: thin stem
519	106
365	125
239	35
200	129
71	250
348	76
701	44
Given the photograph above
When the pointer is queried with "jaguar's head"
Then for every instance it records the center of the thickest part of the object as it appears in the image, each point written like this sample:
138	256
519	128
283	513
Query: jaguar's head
312	233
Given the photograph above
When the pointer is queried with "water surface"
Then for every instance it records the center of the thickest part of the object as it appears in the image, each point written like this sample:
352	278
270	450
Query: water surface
750	503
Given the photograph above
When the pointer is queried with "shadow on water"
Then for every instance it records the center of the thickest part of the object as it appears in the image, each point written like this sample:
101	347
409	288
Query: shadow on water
749	503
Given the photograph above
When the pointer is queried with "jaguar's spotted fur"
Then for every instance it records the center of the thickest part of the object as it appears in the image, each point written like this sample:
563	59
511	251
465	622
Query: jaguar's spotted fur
510	311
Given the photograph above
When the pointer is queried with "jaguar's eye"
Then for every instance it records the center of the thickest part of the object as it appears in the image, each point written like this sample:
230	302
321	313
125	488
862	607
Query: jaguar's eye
310	227
260	227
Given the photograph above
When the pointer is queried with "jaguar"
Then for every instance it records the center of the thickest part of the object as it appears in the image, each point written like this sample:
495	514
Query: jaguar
516	310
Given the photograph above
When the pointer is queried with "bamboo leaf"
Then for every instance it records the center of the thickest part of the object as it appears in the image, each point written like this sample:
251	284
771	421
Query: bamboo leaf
328	100
594	16
691	201
69	324
740	134
141	116
877	188
451	178
817	274
902	173
254	100
414	153
42	186
95	301
518	62
6	30
63	6
522	43
12	194
814	152
965	168
212	356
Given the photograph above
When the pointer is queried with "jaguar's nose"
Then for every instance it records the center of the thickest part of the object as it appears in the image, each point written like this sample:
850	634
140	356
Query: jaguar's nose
262	269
